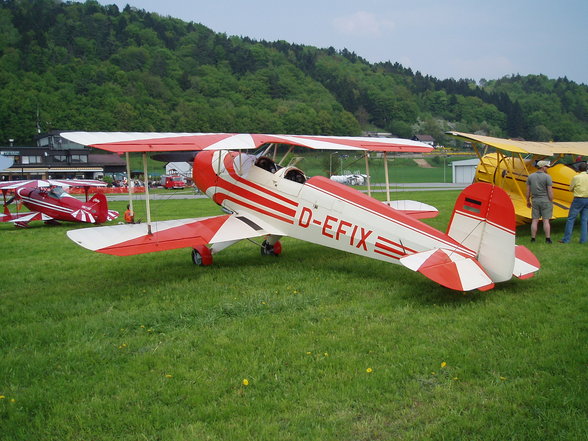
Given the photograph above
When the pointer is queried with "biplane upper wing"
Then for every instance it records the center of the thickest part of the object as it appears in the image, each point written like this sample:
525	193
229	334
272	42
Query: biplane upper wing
44	183
127	240
532	147
121	142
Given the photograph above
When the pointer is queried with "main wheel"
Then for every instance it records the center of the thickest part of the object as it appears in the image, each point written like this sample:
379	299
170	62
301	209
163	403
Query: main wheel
202	256
271	250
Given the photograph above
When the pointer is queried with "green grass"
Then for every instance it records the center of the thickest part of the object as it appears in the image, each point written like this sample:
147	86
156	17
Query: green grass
97	347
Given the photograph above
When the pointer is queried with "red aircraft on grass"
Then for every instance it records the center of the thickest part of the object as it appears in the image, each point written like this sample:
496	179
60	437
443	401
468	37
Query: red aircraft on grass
263	199
48	202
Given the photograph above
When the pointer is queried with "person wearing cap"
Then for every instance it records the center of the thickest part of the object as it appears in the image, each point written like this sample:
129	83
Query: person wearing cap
540	199
579	186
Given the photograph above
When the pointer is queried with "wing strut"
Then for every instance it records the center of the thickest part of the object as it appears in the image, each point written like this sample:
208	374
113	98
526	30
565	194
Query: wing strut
367	172
147	201
387	178
130	190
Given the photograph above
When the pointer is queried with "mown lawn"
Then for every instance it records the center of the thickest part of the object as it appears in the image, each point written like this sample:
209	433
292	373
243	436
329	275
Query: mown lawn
313	345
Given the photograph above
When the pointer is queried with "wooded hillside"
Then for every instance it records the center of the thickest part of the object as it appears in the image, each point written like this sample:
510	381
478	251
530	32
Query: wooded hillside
84	66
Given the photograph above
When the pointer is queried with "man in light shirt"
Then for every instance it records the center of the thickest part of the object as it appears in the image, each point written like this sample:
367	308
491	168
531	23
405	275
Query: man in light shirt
579	186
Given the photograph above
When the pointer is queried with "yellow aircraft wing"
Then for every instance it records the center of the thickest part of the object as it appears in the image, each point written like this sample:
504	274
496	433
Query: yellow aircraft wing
532	147
510	172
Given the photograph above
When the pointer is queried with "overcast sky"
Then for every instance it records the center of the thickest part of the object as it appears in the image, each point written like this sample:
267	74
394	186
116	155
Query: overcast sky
446	39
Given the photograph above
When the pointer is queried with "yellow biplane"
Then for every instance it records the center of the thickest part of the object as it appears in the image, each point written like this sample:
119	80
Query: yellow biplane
507	163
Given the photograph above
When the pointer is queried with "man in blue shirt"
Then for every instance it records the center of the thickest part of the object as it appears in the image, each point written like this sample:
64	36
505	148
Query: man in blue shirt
579	186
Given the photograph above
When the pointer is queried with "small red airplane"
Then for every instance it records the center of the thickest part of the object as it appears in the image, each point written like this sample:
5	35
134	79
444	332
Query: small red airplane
263	199
48	202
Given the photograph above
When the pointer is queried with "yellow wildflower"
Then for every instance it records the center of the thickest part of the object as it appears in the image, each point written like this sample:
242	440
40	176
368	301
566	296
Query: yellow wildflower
245	382
369	370
443	364
168	376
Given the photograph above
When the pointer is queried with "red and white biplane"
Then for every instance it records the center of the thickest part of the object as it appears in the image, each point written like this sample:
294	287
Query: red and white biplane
47	201
263	199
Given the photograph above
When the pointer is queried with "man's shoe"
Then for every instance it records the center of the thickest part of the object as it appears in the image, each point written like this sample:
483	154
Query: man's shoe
532	239
548	240
562	241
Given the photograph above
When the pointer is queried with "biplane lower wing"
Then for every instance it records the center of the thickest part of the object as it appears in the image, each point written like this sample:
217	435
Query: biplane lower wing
22	219
130	239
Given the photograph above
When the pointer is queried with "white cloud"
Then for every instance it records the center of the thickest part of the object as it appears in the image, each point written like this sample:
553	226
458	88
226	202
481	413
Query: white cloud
362	23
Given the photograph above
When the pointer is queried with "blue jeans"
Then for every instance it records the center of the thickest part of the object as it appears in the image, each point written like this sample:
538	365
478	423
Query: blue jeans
579	206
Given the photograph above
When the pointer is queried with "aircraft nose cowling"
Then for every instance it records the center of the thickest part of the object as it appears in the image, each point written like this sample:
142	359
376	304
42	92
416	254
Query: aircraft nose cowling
203	172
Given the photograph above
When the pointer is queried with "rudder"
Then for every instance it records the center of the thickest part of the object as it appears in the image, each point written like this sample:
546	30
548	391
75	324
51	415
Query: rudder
483	220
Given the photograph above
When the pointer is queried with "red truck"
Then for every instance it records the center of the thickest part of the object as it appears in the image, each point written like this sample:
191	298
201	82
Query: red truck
173	181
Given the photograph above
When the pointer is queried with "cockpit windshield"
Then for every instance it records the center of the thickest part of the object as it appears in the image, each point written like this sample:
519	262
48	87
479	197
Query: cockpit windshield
57	192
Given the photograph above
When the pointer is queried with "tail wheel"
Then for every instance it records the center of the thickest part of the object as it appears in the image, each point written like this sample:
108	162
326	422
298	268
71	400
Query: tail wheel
202	256
271	250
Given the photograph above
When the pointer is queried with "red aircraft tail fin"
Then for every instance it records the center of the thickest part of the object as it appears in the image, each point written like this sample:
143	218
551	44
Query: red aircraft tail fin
98	206
484	220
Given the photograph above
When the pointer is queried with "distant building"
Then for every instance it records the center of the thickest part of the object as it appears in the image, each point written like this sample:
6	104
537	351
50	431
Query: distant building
464	171
378	134
427	139
57	158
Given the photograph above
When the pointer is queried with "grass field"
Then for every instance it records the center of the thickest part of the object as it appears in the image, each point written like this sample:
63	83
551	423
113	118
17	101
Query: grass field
314	345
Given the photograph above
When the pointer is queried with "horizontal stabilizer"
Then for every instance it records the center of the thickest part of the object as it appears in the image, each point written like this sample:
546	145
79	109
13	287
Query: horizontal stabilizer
24	218
450	269
112	215
414	209
526	264
126	240
84	216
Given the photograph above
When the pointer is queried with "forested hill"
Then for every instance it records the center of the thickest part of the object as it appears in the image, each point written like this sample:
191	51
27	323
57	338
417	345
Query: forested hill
84	66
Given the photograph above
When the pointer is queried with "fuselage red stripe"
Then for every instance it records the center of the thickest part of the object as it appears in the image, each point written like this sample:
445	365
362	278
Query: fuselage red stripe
389	249
219	198
254	197
386	254
230	167
396	244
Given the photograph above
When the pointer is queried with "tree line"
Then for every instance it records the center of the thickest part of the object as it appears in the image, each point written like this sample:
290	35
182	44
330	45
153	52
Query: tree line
85	66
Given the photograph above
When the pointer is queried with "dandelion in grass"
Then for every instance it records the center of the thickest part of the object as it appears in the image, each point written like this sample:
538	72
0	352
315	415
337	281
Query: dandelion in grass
502	378
369	370
245	382
12	400
169	376
443	364
2	397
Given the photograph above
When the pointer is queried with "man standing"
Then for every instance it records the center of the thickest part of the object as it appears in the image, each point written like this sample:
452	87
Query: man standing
579	186
540	199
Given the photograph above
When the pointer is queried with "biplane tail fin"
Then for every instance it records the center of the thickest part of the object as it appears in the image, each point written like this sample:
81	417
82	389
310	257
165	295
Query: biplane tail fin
98	206
484	221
